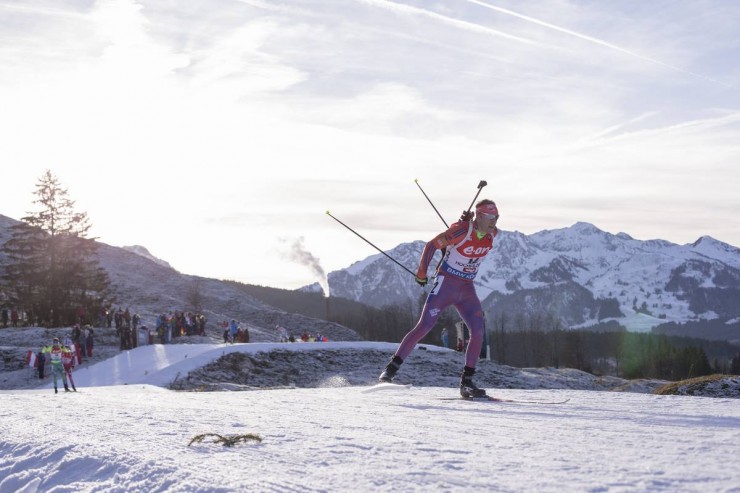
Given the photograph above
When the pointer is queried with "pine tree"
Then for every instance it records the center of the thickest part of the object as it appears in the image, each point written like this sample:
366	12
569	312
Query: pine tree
736	365
52	269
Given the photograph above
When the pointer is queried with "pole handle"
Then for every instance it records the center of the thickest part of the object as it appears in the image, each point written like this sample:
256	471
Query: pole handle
481	184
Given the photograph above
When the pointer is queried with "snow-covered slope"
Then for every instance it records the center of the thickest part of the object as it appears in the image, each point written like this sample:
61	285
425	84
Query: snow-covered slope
127	433
144	252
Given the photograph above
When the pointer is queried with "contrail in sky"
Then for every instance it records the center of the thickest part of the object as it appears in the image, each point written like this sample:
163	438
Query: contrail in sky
596	41
44	11
278	8
468	26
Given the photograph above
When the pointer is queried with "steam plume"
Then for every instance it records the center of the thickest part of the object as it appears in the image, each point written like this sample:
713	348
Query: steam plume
298	253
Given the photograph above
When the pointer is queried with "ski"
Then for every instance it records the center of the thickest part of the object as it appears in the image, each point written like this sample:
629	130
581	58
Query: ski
499	399
385	386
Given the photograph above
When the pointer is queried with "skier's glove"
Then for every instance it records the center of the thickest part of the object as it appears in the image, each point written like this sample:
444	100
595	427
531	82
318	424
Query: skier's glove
422	281
466	216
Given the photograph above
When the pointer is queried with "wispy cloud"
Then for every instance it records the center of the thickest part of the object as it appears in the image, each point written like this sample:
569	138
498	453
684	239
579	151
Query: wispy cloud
598	41
43	10
251	115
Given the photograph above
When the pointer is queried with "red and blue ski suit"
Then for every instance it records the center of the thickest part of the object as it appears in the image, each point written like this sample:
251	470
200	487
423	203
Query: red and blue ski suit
453	285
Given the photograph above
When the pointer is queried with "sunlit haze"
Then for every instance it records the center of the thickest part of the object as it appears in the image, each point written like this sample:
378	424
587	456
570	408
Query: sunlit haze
218	133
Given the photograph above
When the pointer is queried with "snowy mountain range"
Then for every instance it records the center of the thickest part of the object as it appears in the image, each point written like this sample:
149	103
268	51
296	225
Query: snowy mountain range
578	275
581	275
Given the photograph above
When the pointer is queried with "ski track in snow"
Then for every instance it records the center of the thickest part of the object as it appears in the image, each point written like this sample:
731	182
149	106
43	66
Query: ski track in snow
129	438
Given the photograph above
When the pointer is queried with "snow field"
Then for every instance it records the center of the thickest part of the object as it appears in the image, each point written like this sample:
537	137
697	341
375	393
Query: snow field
135	438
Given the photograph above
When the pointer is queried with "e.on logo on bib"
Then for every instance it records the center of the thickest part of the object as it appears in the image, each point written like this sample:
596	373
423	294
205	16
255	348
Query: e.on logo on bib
480	251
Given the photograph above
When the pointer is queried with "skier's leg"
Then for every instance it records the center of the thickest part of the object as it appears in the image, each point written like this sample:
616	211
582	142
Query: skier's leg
71	380
64	380
470	310
439	298
57	372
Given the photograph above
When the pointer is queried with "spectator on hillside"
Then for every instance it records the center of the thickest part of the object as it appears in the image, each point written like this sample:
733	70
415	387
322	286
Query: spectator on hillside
77	341
233	328
125	337
282	333
167	330
6	316
41	361
118	321
89	342
202	325
14	317
227	335
102	317
445	338
134	333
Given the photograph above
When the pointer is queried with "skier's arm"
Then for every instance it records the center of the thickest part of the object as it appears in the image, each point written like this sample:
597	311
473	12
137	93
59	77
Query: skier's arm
452	236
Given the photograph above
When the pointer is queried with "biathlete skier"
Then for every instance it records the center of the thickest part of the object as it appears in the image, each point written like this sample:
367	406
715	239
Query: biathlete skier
68	362
55	358
466	243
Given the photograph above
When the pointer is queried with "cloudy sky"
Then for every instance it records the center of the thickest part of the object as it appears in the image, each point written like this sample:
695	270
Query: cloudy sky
218	133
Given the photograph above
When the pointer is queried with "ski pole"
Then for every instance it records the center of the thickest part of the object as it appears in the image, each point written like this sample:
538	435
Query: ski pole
369	243
430	203
444	250
481	184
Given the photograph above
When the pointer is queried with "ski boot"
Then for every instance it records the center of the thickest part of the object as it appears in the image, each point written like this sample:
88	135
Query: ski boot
55	390
468	390
66	388
390	370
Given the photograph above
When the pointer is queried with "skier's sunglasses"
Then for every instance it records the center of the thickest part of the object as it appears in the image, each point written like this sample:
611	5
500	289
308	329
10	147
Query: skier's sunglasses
486	217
